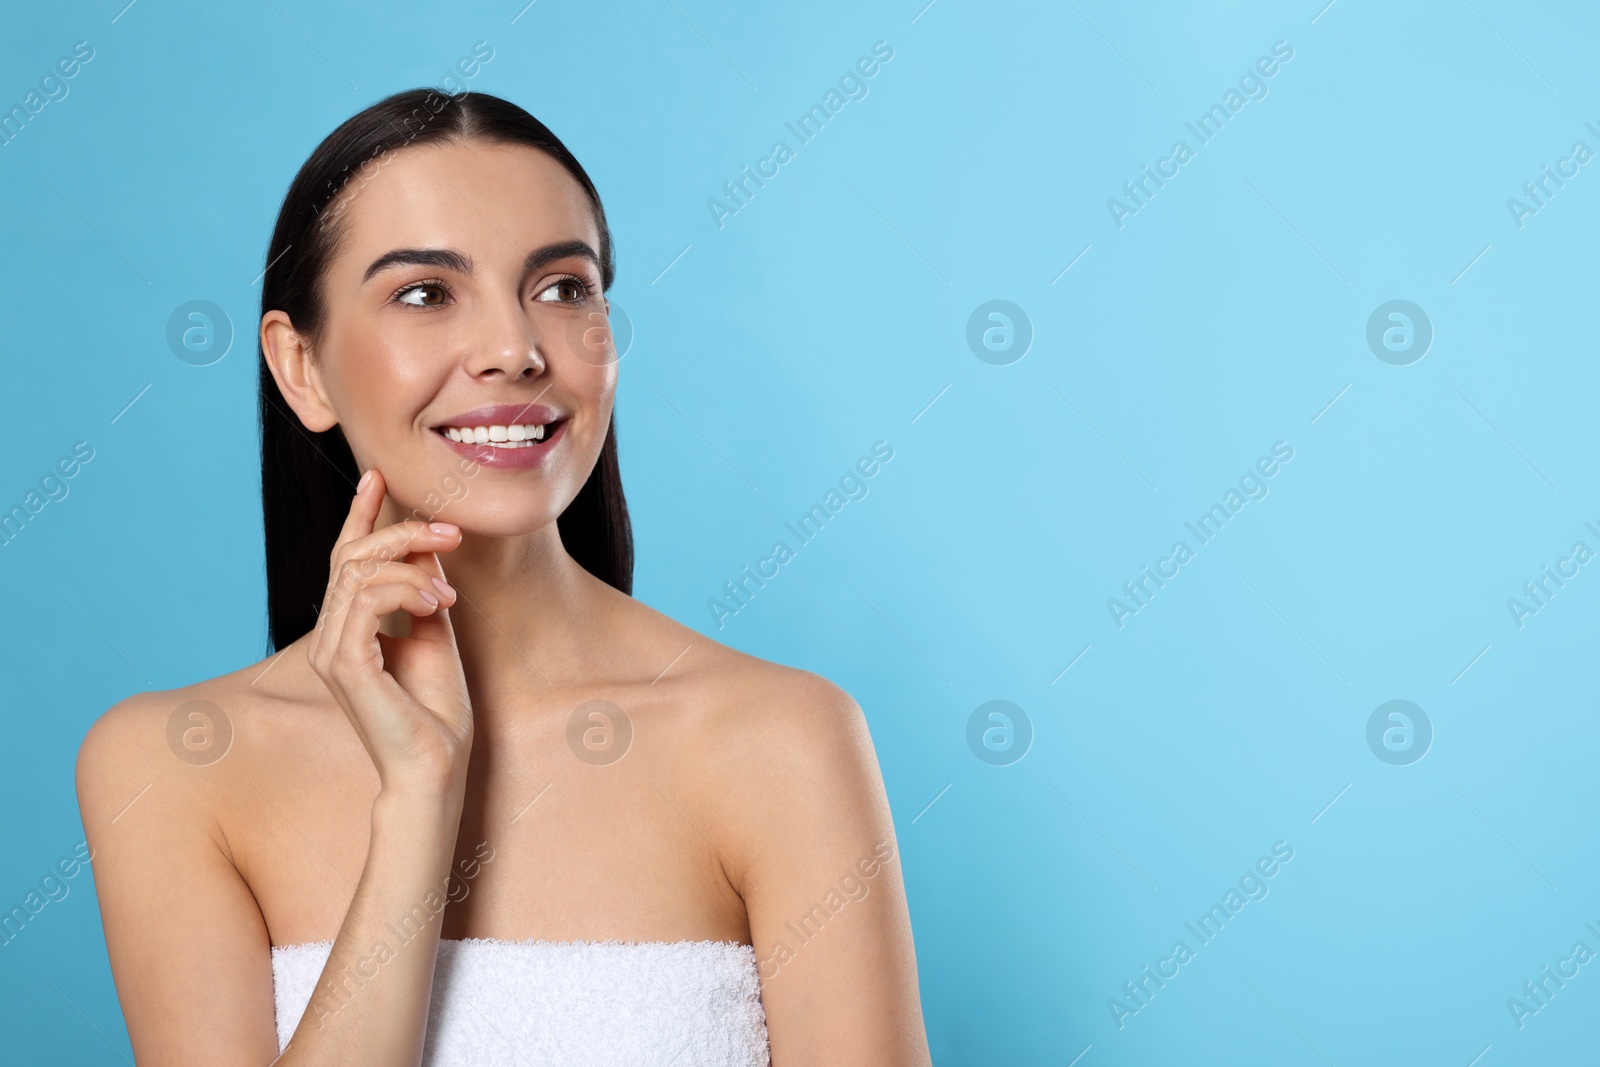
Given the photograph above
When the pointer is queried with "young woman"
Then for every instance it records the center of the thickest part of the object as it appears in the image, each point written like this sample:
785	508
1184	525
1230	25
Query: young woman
481	806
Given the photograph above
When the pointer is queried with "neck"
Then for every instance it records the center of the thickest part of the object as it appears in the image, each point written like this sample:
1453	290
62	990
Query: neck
527	617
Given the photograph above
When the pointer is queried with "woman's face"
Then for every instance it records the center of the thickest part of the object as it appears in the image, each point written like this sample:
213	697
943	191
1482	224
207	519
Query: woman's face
465	350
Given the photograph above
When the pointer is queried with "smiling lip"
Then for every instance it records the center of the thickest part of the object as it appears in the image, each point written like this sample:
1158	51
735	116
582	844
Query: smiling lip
503	415
499	455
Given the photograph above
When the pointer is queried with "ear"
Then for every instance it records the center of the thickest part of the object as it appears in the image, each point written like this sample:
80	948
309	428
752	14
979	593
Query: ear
289	358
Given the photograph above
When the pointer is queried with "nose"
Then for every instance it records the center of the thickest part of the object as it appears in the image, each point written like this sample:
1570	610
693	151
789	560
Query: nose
503	343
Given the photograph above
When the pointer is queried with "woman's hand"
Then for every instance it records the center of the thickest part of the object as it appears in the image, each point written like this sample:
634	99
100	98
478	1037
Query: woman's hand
405	696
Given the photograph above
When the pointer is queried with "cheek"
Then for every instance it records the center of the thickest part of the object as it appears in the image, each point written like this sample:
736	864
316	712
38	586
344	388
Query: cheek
592	386
595	390
606	388
377	384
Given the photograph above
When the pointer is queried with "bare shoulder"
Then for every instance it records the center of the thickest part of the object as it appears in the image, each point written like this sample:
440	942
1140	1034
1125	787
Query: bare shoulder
190	742
128	745
781	755
792	719
741	706
790	784
160	779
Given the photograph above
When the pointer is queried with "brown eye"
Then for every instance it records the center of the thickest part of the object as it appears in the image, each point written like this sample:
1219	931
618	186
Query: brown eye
567	290
425	294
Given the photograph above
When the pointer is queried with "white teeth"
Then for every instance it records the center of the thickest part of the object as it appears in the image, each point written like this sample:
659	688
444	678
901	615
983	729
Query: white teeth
522	435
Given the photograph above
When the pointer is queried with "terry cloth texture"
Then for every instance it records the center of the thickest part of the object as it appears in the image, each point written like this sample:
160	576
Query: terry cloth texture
686	1003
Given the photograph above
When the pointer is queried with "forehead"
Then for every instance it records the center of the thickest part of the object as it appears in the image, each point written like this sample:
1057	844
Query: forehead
491	201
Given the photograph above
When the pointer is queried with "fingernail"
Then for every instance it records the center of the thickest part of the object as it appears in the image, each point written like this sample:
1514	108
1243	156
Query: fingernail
444	588
365	478
432	600
444	528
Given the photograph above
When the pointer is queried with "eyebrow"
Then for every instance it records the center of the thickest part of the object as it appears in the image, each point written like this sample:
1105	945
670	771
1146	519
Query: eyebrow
449	259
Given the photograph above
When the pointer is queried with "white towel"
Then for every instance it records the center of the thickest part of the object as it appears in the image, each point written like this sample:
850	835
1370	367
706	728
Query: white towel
612	1003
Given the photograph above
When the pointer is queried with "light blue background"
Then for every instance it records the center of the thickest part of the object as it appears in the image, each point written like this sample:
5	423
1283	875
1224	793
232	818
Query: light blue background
1225	316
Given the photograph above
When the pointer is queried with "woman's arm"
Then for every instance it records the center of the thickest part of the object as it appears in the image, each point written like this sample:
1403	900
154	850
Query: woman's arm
188	946
187	942
823	888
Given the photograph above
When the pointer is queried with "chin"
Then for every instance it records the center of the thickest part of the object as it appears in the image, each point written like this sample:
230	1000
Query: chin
514	514
471	499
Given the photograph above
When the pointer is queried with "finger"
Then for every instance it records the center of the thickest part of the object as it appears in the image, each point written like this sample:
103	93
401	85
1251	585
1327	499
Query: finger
427	664
429	673
355	575
358	655
361	601
359	521
397	542
436	627
363	507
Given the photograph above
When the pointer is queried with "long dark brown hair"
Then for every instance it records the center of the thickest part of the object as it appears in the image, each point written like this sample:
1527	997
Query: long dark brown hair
308	479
